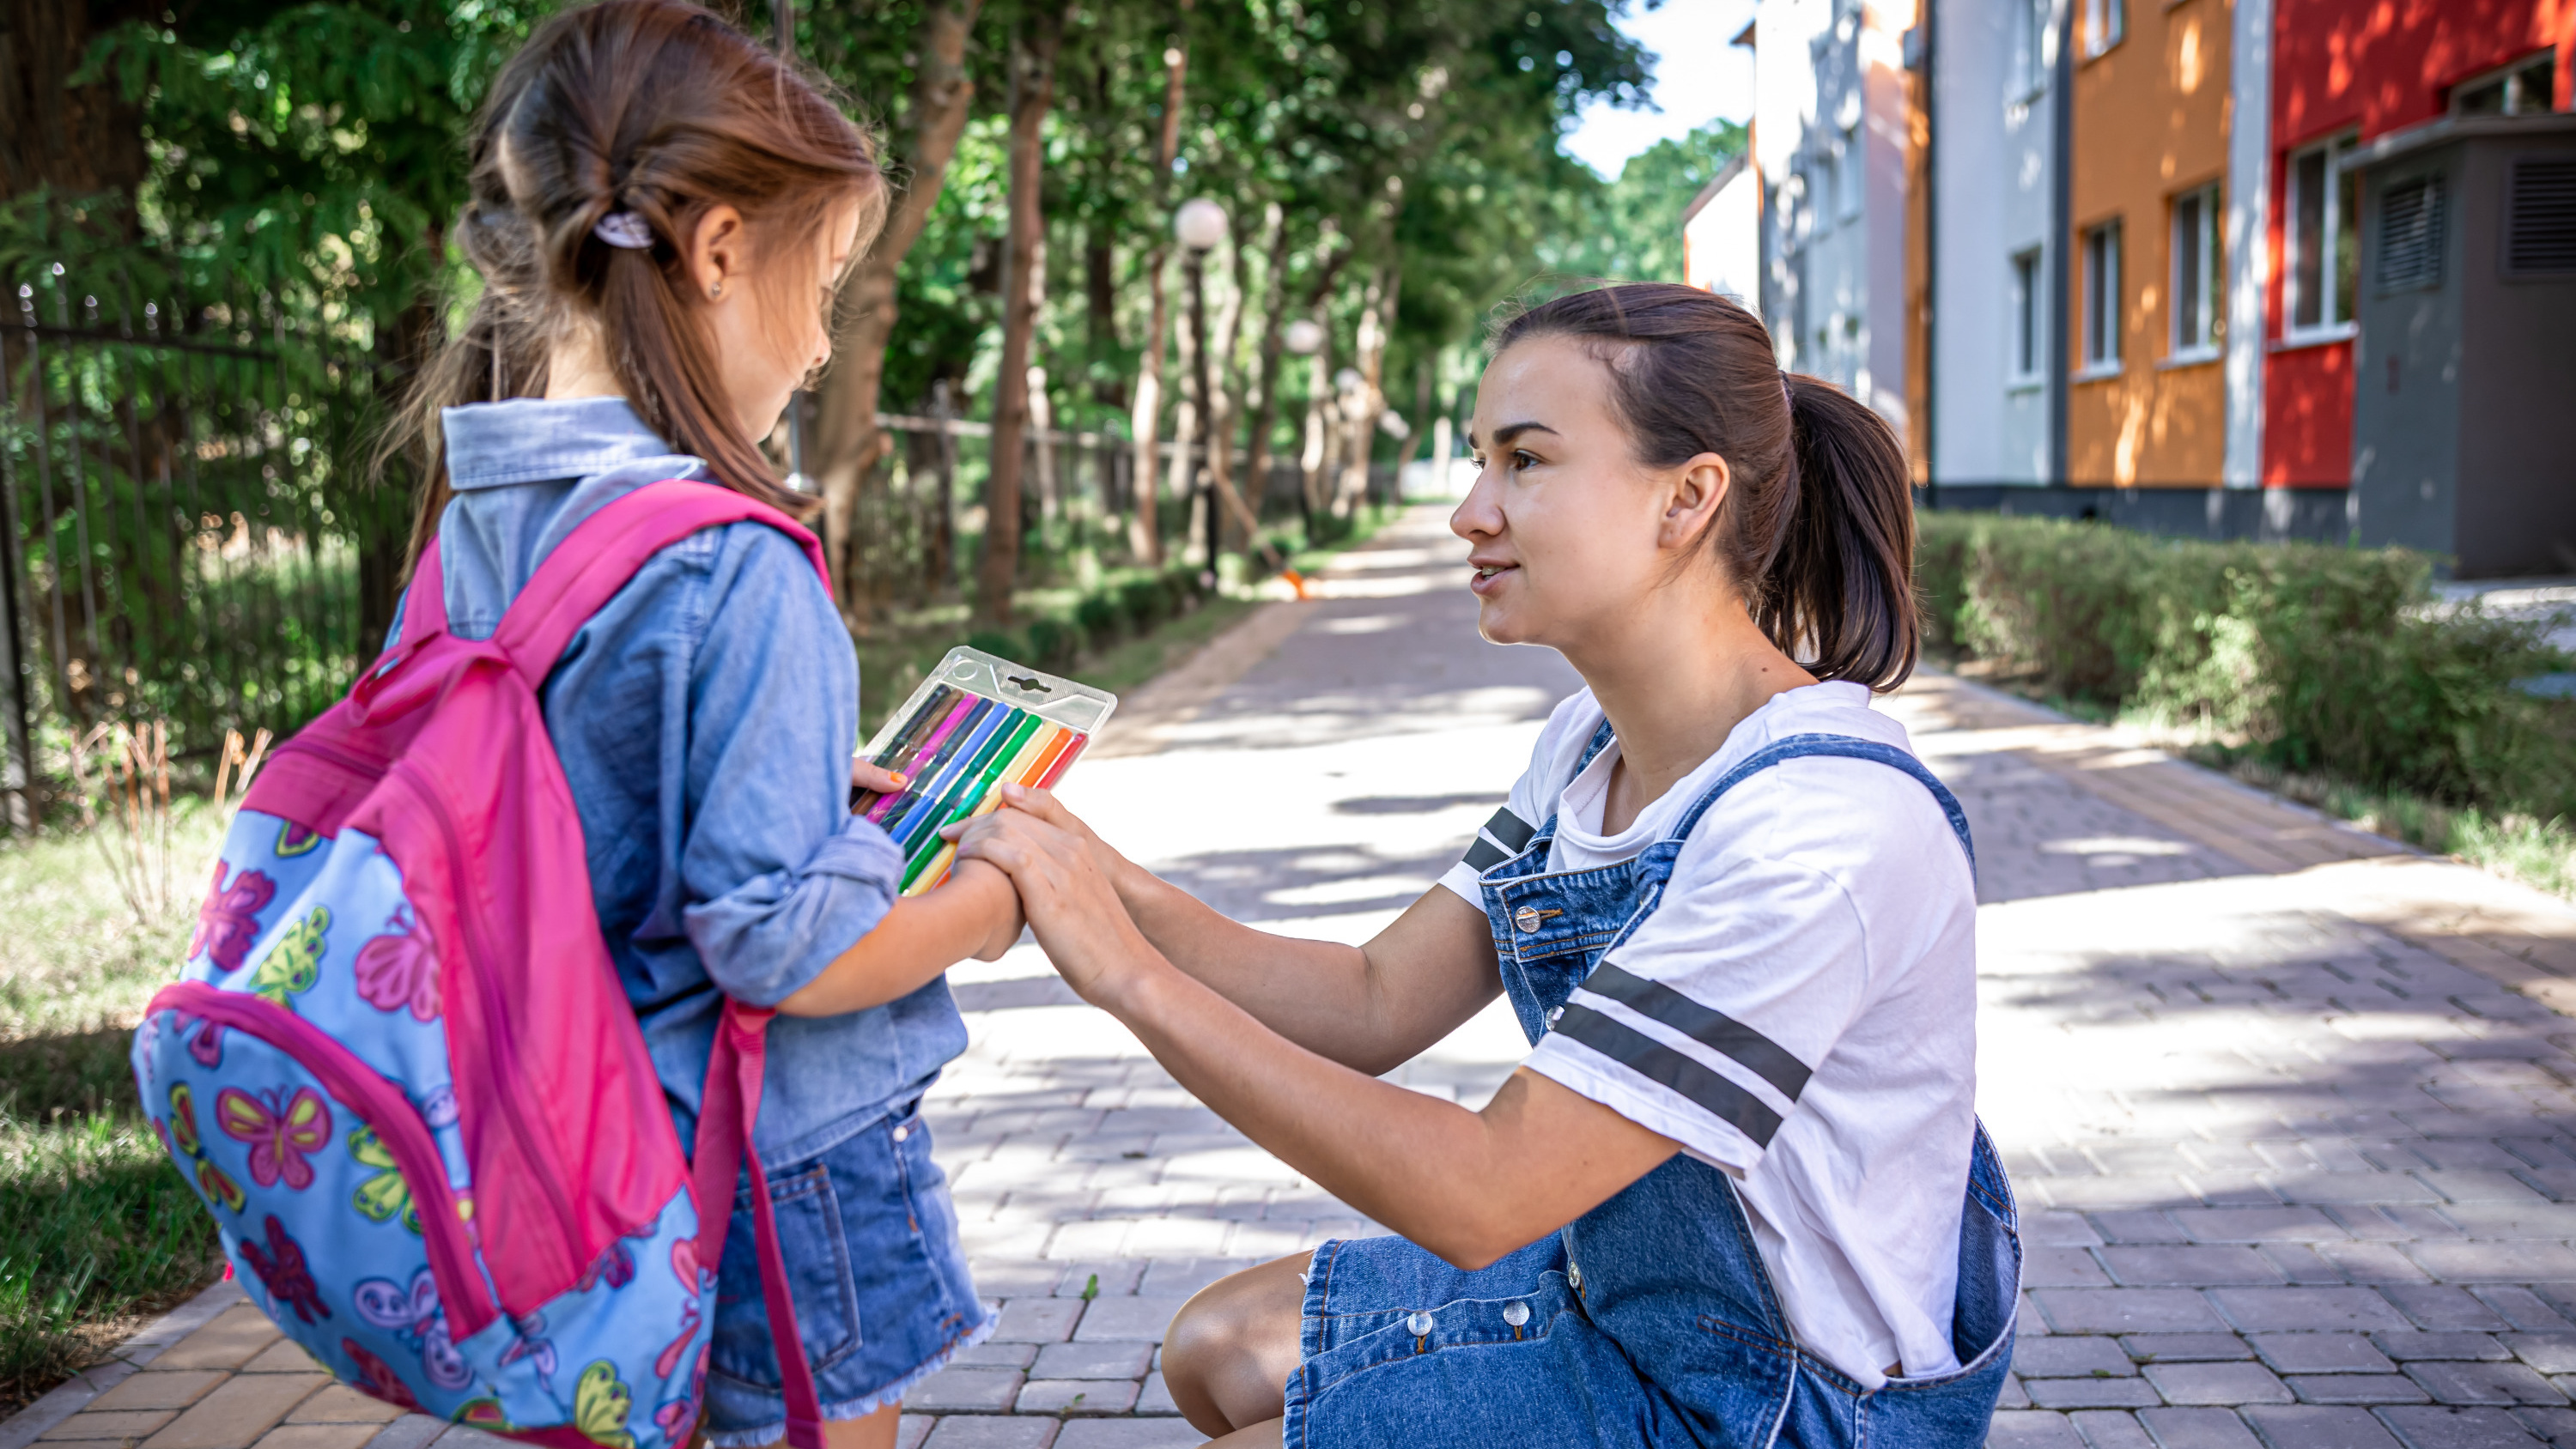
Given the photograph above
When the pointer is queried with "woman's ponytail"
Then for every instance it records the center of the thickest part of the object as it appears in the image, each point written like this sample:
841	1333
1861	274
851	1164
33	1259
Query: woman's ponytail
1842	583
1817	532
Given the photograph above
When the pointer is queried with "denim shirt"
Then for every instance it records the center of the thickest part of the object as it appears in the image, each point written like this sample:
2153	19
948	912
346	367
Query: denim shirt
705	719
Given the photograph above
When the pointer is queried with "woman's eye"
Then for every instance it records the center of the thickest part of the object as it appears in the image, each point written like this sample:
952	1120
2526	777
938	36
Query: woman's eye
1522	462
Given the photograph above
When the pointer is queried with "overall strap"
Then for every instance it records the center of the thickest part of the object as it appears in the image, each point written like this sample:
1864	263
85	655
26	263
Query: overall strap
596	559
1506	826
1849	747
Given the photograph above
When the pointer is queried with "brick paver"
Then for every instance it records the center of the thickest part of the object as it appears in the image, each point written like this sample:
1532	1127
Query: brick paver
2286	1106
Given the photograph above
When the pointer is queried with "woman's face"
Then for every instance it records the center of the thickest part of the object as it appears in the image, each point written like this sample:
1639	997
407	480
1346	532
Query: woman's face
772	323
1569	531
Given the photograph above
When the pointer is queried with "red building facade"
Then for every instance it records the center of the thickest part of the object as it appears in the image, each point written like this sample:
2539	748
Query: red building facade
2344	72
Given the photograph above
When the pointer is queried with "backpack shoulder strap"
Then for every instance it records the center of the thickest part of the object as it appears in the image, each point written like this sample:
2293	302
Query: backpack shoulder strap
1848	747
587	569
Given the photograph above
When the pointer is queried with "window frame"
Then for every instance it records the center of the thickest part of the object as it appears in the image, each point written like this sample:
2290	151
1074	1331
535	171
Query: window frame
2106	24
2103	263
2030	50
2026	363
2334	232
1851	176
2208	282
2507	78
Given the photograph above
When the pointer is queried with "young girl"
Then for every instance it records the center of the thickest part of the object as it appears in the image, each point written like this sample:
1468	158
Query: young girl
1736	1194
661	212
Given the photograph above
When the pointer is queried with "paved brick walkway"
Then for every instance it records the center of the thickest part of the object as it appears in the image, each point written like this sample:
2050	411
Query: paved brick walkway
2287	1107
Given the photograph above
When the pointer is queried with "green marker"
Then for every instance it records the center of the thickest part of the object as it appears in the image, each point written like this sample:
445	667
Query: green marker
962	803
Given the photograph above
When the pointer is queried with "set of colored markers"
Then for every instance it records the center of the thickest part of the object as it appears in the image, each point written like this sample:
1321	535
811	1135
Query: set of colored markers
978	722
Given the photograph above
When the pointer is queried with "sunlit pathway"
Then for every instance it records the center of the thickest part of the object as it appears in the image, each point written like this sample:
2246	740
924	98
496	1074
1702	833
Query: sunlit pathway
2287	1113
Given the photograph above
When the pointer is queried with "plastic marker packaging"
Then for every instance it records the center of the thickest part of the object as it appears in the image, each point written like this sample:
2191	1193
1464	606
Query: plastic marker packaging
977	723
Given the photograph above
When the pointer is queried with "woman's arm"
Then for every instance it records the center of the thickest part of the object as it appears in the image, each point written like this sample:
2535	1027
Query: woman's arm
1369	1007
1469	1186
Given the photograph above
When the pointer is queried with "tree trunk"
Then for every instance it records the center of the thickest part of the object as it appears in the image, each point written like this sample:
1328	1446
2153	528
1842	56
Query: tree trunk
1100	294
77	140
1147	420
845	446
1265	398
1033	79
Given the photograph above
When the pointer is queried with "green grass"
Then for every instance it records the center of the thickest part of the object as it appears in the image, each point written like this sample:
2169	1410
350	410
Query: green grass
2536	852
96	1228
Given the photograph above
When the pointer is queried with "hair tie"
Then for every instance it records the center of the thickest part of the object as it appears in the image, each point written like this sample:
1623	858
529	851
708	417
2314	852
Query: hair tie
1787	399
624	229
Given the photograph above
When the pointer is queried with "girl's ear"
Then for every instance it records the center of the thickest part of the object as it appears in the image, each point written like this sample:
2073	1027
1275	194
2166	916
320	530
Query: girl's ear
1698	492
719	253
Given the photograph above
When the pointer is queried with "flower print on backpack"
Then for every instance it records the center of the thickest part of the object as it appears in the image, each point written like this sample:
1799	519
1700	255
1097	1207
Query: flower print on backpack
228	922
416	1315
398	969
281	1134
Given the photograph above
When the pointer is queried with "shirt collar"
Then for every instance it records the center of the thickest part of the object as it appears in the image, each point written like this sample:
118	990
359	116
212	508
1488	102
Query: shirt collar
532	440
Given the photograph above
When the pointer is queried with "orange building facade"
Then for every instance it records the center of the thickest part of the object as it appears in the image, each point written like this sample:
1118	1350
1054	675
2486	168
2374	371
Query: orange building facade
2146	277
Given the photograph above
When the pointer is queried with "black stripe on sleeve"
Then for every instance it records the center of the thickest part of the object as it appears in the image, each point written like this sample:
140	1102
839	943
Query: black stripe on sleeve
1511	830
1662	1065
1484	855
1767	1058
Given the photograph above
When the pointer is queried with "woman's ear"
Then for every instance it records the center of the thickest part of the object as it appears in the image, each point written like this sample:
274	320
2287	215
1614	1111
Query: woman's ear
1698	492
718	253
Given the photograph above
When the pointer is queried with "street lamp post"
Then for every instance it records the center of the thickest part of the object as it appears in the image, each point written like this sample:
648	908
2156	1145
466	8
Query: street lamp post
1200	225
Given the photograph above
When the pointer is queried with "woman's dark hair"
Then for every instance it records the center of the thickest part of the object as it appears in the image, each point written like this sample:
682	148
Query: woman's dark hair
1818	525
661	109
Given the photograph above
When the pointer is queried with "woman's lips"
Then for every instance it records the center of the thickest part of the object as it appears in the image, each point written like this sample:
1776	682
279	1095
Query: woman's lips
1489	577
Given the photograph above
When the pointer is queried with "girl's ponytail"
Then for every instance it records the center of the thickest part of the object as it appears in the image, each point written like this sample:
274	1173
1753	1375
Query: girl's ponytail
1842	583
654	111
1817	532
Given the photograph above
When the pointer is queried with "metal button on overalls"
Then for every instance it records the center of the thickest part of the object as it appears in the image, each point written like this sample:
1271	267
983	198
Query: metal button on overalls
1527	918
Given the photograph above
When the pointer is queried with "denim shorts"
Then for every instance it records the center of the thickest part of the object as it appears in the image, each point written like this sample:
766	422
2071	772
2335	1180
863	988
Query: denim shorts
882	1294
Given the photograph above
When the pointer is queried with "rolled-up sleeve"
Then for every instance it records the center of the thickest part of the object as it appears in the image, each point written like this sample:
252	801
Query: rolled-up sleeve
780	877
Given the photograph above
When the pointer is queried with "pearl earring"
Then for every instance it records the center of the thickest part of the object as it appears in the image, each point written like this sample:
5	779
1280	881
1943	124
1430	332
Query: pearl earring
715	290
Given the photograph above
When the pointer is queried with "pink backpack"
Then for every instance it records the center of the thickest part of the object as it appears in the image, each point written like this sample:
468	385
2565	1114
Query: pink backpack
400	1069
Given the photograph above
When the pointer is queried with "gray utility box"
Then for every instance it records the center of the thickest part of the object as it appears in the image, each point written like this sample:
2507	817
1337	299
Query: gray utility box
2464	370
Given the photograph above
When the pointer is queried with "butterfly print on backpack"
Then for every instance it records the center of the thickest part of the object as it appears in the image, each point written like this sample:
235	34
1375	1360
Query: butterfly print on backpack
228	922
398	969
416	1314
282	1271
280	1135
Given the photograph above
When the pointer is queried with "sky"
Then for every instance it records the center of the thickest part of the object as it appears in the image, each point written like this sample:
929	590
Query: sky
1698	78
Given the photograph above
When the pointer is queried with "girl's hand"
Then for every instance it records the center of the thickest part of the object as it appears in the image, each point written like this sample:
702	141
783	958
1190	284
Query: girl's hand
865	775
1068	898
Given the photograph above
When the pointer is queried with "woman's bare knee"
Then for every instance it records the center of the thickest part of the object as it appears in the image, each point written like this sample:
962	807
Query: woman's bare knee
1232	1347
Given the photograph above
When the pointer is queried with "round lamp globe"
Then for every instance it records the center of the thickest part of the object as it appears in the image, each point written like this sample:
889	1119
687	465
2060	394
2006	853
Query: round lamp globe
1200	224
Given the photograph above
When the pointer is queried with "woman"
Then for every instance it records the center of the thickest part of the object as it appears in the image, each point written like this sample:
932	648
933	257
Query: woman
1736	1194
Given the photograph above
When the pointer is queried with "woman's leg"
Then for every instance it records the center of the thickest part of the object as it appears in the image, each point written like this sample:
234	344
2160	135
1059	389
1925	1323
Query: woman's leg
875	1431
1232	1347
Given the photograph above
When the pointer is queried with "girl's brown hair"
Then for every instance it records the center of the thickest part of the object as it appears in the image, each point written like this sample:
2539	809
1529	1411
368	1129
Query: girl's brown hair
1817	530
661	109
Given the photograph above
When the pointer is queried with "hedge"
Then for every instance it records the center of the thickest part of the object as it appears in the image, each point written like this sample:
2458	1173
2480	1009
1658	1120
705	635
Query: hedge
2315	658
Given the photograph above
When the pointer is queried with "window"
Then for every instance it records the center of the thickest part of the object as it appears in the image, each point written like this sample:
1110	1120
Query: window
2325	242
2523	88
1824	192
2196	324
2026	295
2102	298
1853	172
2030	47
2106	23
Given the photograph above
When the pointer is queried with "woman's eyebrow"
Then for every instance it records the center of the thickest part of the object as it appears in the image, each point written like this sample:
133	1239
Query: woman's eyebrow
1503	435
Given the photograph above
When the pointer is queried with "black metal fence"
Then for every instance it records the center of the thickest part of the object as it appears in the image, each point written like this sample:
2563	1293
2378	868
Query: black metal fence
180	501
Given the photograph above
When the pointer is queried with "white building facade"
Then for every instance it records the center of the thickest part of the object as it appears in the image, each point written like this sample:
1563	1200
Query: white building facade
1722	235
1830	143
1997	282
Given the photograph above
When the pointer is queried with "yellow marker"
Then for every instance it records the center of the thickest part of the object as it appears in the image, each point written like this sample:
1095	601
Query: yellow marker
1033	753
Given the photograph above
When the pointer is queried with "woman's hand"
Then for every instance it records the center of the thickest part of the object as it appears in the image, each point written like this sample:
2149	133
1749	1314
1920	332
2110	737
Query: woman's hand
1042	804
1068	899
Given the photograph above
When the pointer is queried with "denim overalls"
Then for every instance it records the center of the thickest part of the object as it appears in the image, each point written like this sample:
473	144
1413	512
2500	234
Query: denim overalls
1651	1319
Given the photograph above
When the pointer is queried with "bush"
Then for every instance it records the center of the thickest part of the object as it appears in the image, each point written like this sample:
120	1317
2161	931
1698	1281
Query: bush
994	641
2318	658
1145	602
1053	643
1102	615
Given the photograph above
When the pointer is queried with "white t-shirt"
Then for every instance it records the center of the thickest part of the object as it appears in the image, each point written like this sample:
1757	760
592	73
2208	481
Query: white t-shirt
1820	922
